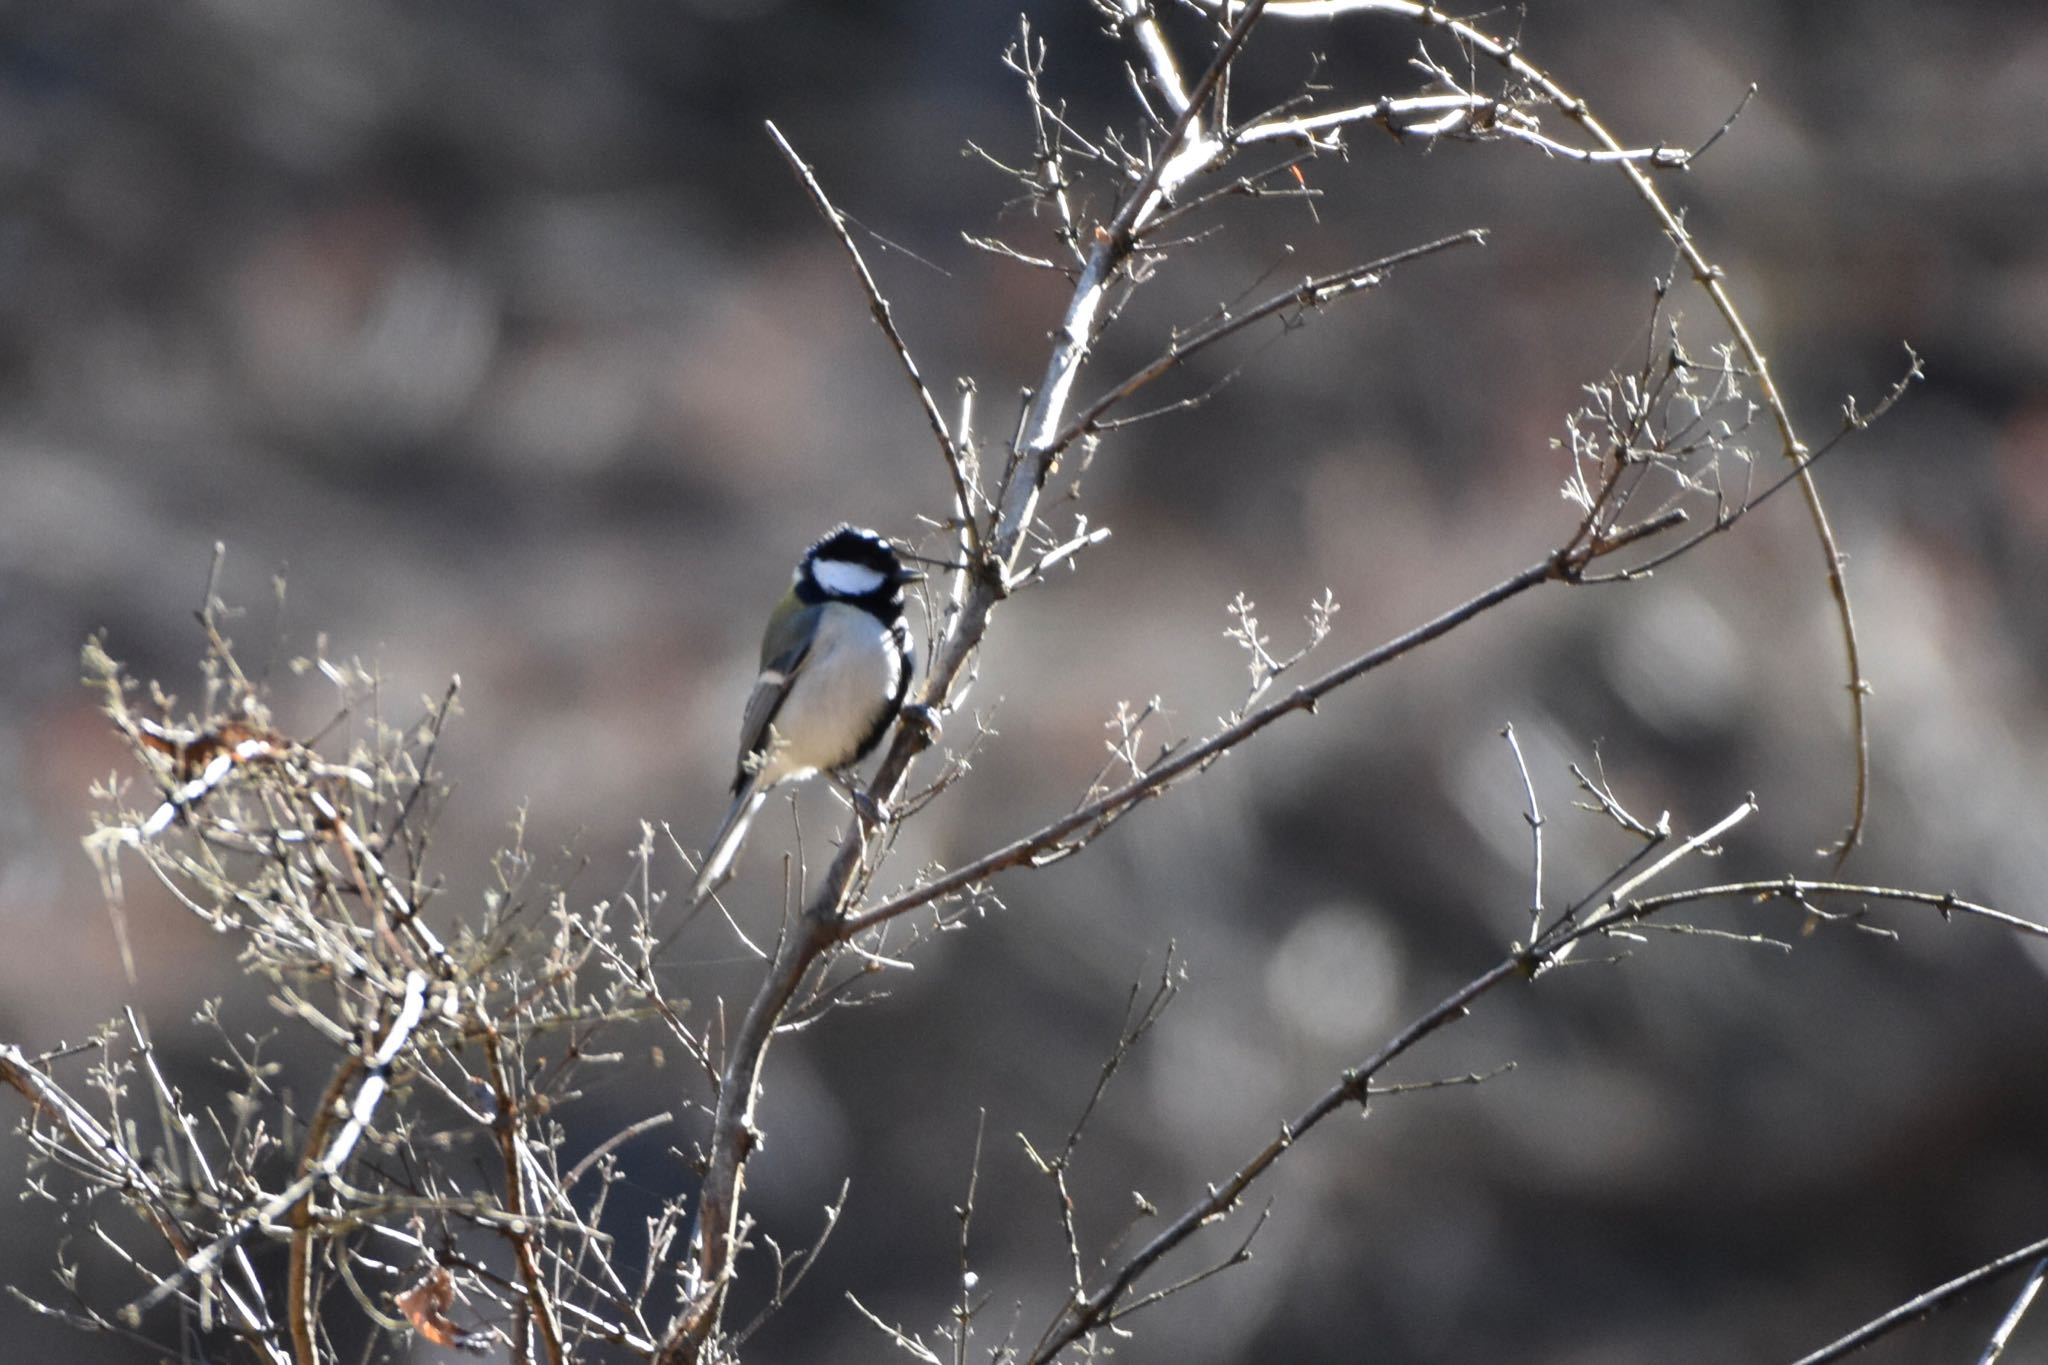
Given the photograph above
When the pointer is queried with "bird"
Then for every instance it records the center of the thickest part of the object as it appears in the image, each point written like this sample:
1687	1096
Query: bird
836	661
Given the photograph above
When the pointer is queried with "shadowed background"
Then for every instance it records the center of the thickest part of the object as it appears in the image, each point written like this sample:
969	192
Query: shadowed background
503	335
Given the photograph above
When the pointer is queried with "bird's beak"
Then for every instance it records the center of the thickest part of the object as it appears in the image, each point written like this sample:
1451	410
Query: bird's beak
908	575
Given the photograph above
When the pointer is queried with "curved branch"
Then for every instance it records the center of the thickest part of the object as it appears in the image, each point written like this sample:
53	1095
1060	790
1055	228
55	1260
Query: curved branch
1799	890
509	1124
1708	276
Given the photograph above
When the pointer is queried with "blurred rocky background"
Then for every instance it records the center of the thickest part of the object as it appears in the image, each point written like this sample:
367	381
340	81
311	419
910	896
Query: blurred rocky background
503	336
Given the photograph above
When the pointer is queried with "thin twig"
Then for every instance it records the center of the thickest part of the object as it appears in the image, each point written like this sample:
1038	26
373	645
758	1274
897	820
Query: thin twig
509	1126
1710	279
1120	801
376	1070
1916	1308
879	307
963	1311
1095	1310
1534	818
1798	889
2002	1337
1310	293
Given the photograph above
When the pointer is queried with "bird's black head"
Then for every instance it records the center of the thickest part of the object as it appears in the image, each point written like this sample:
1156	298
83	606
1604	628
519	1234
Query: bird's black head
855	566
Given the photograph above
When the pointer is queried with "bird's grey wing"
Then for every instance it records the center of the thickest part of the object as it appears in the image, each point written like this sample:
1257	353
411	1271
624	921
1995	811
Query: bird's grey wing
783	653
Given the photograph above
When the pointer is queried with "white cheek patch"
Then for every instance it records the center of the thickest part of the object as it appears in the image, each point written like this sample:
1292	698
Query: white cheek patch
843	579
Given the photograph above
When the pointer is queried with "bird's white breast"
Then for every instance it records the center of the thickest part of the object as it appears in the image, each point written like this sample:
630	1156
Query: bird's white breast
845	682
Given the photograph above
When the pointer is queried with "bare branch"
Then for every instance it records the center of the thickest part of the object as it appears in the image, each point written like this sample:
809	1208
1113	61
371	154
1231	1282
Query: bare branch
1310	293
879	307
129	1176
1097	1309
820	926
1534	818
509	1123
2009	1324
1097	814
375	1083
1916	1308
1710	279
1800	890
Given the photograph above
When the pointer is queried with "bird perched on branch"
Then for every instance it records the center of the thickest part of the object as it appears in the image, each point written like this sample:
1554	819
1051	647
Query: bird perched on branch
835	667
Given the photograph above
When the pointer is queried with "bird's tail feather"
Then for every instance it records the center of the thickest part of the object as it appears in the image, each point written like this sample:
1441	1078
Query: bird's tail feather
725	845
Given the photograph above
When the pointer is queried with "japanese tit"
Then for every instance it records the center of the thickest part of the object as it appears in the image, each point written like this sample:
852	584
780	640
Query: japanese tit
835	667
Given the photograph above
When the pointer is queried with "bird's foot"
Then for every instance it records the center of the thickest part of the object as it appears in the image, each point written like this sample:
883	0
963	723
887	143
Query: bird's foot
924	720
862	800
